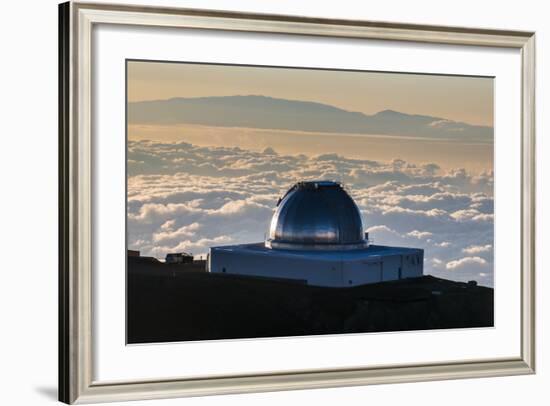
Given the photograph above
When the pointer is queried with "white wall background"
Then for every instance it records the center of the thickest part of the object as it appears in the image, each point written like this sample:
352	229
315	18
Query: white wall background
28	200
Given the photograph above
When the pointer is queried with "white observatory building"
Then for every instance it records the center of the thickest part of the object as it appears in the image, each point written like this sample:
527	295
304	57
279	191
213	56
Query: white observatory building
316	237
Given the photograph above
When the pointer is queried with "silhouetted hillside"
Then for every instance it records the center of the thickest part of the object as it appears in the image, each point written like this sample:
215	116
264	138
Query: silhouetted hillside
182	303
280	114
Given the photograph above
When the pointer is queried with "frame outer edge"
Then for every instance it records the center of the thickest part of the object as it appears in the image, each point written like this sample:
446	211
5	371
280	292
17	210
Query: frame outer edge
273	23
63	200
75	373
72	213
82	204
528	145
299	381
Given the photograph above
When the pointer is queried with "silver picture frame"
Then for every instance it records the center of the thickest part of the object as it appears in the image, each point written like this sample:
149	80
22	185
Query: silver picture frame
76	353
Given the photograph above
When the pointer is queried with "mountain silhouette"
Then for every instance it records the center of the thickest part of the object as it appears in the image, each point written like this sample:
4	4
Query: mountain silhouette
262	112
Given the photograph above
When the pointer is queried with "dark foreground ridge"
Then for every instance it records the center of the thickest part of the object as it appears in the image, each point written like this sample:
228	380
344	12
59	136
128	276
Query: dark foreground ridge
182	303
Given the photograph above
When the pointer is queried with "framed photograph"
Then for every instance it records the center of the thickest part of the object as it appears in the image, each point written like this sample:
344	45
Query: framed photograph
264	202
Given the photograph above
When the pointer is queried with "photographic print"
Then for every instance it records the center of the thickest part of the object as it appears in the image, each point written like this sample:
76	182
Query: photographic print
283	201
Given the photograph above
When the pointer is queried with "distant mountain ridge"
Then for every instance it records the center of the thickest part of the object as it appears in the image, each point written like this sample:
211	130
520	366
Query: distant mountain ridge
263	112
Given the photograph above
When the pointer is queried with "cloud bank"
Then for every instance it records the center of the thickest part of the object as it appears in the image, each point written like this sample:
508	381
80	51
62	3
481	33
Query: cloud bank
183	197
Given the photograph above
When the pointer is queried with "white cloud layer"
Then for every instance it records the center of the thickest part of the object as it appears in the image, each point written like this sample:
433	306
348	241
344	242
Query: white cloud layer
183	197
478	249
465	262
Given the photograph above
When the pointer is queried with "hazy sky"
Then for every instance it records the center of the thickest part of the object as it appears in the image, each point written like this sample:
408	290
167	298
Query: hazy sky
467	99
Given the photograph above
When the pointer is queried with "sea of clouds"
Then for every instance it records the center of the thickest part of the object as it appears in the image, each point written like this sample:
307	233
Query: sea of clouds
183	197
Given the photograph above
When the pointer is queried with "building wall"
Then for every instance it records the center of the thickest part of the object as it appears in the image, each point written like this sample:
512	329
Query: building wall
413	264
322	272
361	272
317	270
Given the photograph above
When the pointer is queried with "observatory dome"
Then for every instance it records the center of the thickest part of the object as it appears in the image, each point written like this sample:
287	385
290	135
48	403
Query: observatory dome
316	215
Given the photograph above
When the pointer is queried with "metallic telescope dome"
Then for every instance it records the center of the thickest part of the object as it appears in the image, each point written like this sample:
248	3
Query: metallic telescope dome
316	215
